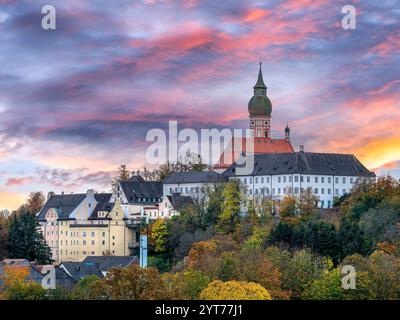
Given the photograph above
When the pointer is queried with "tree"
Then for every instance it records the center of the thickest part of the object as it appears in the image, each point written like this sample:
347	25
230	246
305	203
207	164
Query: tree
131	283
123	172
288	207
194	283
228	267
3	238
25	240
35	202
328	287
229	217
84	289
158	236
298	268
234	290
16	286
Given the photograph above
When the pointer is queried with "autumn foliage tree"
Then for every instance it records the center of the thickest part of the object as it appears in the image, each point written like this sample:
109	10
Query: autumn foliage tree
234	290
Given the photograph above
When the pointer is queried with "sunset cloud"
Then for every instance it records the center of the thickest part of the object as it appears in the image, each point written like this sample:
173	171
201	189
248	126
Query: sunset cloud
77	102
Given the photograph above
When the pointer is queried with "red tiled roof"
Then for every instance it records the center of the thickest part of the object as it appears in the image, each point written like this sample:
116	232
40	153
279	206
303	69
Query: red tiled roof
261	146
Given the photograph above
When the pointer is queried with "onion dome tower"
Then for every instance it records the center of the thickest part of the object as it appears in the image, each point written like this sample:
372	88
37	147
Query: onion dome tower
260	108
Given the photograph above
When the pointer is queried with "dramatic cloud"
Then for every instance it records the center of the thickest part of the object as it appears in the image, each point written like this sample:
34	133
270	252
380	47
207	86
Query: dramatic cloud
78	101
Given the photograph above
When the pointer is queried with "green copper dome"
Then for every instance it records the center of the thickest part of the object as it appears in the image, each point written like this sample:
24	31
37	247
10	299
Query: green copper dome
260	106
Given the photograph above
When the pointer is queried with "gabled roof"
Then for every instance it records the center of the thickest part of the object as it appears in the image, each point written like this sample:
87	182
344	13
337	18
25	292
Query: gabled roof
194	177
261	146
306	163
64	204
103	204
134	189
80	270
105	263
180	202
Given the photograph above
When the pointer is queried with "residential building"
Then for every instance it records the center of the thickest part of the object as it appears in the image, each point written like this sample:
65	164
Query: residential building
138	197
172	205
79	225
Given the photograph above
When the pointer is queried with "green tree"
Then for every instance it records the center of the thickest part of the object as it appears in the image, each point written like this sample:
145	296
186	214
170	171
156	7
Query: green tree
26	241
194	283
158	236
328	287
84	289
229	217
3	238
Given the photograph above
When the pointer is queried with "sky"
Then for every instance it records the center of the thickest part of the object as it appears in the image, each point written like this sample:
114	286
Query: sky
76	102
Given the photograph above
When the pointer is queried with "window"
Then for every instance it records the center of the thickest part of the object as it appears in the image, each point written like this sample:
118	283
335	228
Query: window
322	191
329	180
92	234
84	234
329	203
296	190
308	178
84	242
344	180
170	190
104	234
284	190
256	180
316	179
336	191
336	180
351	180
267	179
245	180
329	191
279	179
322	203
92	242
301	178
262	179
290	178
344	191
284	179
322	179
296	178
316	190
251	180
279	190
103	243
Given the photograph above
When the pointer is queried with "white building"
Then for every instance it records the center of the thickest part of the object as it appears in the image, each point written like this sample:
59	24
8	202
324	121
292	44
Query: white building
326	175
192	184
172	205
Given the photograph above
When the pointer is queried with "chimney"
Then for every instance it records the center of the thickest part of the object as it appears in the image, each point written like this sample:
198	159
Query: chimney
62	192
51	193
301	148
90	192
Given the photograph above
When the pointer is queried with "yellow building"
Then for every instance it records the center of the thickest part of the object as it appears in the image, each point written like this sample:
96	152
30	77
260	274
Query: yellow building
79	225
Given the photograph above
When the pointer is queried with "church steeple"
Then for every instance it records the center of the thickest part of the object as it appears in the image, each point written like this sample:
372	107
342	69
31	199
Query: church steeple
260	81
260	109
